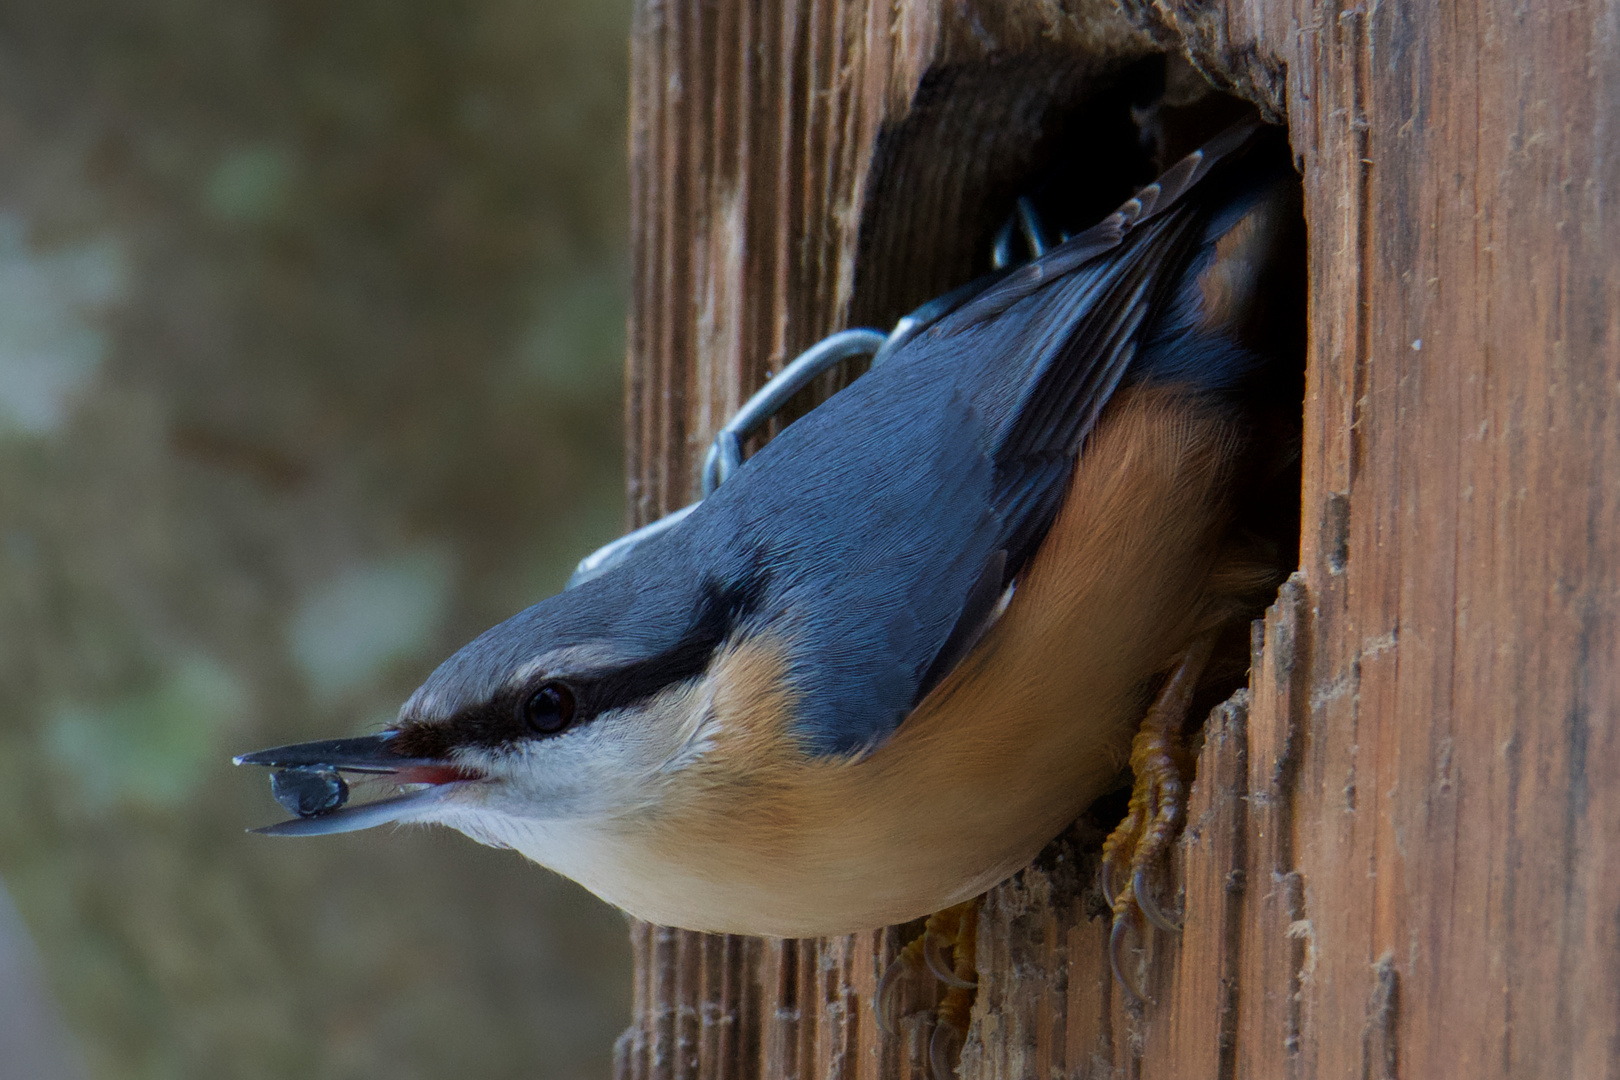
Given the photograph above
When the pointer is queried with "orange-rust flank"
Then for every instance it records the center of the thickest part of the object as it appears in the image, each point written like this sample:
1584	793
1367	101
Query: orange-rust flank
1026	732
755	709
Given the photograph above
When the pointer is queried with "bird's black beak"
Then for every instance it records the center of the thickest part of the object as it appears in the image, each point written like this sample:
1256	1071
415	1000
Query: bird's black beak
309	782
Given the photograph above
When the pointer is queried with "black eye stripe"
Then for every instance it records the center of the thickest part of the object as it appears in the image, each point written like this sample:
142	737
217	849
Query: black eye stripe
500	722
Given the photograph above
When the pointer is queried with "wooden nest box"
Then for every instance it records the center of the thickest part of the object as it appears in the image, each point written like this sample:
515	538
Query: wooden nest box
1399	855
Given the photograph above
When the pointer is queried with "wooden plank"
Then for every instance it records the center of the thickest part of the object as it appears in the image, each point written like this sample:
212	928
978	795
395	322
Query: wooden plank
1200	1036
1268	1033
1402	857
1475	632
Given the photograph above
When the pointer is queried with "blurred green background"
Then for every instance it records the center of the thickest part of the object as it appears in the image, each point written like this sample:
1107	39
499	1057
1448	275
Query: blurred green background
311	331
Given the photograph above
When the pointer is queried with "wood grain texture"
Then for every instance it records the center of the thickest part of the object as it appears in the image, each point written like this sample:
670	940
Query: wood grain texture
1401	859
1457	820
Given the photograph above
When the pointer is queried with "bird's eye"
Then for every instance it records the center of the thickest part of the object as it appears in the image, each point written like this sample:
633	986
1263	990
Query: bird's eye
549	710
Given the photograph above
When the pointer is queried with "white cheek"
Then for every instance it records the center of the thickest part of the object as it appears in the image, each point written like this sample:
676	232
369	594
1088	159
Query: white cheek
621	764
601	770
488	828
580	803
591	850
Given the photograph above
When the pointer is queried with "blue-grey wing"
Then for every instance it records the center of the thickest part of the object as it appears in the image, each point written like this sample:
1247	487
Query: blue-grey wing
881	528
886	523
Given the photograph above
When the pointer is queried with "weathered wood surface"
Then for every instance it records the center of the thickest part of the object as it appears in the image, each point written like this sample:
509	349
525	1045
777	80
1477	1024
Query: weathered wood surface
1401	856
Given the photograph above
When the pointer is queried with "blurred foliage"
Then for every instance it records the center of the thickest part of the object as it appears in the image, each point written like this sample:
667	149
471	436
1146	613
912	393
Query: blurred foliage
310	339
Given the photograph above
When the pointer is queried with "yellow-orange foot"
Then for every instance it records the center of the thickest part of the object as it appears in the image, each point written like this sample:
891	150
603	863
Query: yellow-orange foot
945	949
1134	849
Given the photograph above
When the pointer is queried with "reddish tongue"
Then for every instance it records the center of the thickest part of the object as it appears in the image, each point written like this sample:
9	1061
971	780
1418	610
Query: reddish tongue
433	774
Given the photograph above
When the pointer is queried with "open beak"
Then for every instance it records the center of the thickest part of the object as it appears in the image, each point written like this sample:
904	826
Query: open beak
309	782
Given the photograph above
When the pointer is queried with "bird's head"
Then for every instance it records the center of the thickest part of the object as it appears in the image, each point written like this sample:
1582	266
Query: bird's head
582	710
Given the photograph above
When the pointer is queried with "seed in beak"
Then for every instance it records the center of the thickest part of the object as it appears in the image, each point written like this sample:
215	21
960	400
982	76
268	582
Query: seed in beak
309	790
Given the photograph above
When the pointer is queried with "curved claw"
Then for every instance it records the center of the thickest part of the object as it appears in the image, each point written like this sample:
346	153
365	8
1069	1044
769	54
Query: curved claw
1110	894
943	1047
886	1001
1116	957
1149	903
937	965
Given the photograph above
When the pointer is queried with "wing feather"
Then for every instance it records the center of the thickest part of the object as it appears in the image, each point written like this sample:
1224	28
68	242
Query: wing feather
938	473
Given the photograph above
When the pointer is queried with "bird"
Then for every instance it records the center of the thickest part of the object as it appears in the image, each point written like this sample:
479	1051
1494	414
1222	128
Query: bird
914	635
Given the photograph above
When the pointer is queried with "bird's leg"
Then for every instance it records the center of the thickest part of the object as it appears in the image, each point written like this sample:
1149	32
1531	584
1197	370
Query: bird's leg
1156	808
956	929
946	949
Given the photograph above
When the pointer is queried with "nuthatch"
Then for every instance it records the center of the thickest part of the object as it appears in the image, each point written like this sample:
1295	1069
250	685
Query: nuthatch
909	641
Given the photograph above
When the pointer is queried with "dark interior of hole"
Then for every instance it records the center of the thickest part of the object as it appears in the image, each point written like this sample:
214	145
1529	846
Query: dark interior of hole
1078	137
